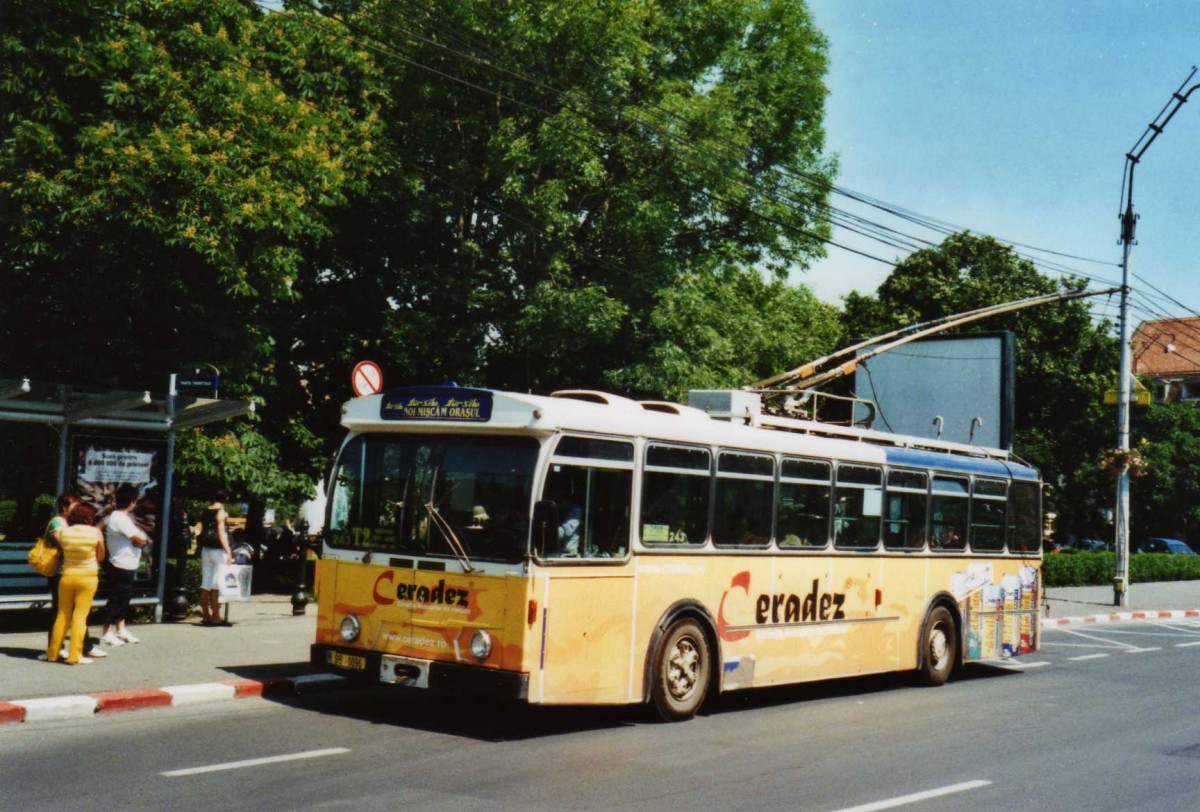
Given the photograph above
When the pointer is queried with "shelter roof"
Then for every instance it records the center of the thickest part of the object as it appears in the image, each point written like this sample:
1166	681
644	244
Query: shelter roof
26	401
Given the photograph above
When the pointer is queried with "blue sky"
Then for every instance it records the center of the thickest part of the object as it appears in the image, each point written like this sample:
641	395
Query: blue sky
1013	119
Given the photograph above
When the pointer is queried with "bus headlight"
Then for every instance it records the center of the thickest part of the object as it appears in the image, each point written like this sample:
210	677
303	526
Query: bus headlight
481	644
351	627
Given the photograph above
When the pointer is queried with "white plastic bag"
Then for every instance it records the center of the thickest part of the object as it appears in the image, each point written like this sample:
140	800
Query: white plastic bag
233	582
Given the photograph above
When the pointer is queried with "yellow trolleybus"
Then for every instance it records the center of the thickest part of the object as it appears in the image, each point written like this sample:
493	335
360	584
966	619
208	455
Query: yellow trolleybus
583	548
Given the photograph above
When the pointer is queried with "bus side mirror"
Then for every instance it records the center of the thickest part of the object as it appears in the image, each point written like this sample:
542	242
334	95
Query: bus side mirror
545	527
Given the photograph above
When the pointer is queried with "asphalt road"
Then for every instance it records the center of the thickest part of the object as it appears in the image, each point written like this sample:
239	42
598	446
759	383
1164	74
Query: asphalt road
1106	717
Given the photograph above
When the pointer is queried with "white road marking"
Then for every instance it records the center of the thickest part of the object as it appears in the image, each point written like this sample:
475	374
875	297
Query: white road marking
255	762
1180	629
1016	665
1108	643
1142	650
1185	645
1087	657
903	800
1171	631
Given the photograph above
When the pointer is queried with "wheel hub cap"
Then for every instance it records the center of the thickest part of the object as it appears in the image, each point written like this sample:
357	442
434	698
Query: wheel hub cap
938	648
683	669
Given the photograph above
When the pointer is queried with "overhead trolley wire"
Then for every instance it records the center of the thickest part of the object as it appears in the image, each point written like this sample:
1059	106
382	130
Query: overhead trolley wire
484	57
854	223
869	229
789	227
1191	311
1187	336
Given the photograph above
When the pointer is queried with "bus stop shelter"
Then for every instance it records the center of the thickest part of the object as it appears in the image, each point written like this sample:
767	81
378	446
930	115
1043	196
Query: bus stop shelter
142	426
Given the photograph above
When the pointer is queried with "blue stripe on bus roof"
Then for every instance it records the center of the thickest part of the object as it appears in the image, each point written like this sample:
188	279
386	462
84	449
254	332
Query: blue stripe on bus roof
960	464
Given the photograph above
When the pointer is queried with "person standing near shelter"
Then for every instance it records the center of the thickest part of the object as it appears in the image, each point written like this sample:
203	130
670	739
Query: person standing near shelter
83	550
57	524
125	543
215	553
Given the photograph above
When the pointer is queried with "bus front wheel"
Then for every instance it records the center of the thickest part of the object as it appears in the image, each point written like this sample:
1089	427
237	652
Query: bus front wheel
939	647
682	664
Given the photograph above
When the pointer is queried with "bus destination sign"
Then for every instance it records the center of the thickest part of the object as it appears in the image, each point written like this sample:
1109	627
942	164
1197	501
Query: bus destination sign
451	405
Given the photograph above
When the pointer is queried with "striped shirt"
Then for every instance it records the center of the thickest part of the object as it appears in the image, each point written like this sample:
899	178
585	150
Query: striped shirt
79	542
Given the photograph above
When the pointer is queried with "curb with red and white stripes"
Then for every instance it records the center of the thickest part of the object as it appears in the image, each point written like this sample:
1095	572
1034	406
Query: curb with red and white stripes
81	706
84	705
1174	614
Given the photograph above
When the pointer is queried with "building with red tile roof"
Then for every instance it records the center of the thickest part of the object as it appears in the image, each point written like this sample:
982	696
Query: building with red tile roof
1168	353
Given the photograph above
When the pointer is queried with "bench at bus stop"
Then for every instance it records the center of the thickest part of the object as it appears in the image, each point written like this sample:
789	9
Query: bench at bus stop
21	587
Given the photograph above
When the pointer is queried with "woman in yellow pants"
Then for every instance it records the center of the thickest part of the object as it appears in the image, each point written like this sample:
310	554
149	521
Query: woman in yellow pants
83	550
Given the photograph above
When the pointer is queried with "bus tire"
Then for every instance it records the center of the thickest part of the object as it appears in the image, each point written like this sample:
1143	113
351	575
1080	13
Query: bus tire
939	647
681	671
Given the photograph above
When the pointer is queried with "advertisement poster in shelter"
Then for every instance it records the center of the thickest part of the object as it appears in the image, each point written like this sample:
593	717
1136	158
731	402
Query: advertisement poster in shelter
102	463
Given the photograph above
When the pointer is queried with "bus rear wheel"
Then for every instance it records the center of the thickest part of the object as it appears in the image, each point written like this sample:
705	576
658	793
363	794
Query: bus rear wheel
680	674
939	647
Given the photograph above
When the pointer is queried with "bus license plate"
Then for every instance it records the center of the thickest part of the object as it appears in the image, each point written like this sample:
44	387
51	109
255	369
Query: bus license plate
347	661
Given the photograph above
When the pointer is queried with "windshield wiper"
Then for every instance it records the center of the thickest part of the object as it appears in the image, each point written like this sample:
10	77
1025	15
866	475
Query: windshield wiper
439	521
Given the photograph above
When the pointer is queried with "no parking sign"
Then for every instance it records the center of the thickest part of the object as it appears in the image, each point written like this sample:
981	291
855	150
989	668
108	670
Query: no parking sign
366	379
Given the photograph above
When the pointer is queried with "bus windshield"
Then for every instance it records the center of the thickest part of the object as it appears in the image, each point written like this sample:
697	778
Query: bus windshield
427	495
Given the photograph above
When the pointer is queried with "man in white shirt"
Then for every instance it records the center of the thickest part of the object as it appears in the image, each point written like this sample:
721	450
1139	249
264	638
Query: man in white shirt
125	541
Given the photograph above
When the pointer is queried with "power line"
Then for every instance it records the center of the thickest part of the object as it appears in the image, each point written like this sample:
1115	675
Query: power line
856	224
864	227
789	227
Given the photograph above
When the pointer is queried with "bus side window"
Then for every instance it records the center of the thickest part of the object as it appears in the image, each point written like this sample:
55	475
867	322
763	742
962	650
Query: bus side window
948	513
989	506
905	511
745	493
675	495
592	503
1025	518
858	506
803	505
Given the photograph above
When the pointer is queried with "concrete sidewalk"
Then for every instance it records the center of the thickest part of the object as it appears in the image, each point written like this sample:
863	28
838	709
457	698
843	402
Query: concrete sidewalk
1095	603
266	651
265	644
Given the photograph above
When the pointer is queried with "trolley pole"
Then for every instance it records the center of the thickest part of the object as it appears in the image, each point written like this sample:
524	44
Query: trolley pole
1128	228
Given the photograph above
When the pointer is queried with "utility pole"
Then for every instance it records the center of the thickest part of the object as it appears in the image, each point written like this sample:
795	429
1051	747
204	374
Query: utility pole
1128	229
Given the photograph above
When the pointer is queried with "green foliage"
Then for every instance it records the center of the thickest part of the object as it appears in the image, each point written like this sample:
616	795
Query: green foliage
527	195
1165	501
176	158
558	170
1082	569
240	460
164	170
1064	361
724	331
1096	568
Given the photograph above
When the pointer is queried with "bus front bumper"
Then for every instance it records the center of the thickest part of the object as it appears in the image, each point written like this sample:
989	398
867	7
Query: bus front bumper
435	675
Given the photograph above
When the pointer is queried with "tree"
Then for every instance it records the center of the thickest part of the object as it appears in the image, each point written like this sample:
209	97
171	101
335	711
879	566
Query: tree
725	331
522	195
1065	361
556	173
1164	500
164	168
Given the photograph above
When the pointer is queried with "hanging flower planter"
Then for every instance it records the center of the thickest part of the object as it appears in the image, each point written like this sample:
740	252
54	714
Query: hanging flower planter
1115	460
